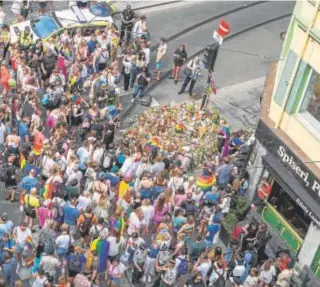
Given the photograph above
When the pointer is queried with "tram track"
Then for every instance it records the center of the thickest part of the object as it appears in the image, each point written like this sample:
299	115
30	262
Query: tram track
141	9
165	74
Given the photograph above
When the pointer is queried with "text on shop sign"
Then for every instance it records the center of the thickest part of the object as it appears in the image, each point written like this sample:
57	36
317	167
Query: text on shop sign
290	162
307	211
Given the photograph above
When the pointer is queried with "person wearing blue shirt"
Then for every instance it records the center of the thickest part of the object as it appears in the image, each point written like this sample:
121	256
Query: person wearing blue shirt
6	226
214	195
76	260
29	181
9	268
223	173
30	165
92	44
152	253
23	130
83	155
213	229
71	215
6	245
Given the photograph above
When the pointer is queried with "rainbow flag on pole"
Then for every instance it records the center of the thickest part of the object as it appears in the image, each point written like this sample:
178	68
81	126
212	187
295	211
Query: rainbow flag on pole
23	161
29	243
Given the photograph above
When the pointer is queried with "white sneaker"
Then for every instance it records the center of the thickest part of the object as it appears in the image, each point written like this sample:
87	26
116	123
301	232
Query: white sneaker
149	279
144	278
132	100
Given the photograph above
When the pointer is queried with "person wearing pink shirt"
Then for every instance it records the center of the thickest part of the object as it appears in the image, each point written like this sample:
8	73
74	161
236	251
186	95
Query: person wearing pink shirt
44	213
180	197
160	210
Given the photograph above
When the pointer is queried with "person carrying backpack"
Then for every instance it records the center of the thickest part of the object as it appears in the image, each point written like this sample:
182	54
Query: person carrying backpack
182	262
85	222
75	262
169	278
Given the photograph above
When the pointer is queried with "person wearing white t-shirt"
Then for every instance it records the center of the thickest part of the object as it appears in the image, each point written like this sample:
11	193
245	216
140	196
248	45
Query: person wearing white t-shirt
39	279
203	266
116	242
84	201
135	221
21	233
146	51
139	27
63	241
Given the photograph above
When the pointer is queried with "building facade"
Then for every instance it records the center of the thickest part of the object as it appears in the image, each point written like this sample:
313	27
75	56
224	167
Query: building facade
287	150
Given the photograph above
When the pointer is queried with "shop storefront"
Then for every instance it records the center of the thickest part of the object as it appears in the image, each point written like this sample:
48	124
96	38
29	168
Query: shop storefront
293	207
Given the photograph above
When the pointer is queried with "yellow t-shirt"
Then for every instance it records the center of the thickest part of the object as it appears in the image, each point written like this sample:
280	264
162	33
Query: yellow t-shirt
123	187
32	201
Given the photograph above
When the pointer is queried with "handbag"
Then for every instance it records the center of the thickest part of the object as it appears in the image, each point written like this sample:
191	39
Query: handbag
31	212
187	72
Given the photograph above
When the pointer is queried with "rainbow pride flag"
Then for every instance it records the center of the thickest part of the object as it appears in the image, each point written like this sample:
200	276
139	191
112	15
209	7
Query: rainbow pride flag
205	182
37	150
48	190
23	161
102	248
119	225
179	128
29	243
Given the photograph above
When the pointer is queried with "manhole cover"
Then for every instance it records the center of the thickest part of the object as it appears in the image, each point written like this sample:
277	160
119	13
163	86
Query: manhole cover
283	35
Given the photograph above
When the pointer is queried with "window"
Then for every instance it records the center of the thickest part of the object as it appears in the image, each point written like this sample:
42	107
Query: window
287	207
100	9
44	26
311	100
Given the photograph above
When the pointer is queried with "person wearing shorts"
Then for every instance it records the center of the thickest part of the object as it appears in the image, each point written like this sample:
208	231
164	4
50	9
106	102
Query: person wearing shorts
115	272
21	234
161	52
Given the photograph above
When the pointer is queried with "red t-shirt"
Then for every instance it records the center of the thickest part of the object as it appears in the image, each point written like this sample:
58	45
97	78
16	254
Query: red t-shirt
264	191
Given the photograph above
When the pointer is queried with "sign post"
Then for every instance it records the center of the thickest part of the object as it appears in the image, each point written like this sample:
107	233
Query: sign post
218	35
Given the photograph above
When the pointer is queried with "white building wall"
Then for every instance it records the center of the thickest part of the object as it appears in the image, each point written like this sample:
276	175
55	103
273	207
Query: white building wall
310	246
255	170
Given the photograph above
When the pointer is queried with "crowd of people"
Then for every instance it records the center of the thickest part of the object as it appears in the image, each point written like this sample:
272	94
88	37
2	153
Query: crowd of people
95	209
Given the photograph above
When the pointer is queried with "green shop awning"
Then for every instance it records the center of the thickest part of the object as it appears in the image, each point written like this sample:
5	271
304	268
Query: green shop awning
293	187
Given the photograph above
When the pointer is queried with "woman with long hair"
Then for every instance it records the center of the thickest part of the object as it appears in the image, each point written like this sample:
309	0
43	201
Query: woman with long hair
160	209
160	183
126	203
169	200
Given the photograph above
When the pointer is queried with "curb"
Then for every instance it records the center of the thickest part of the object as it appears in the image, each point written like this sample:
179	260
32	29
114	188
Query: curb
127	110
168	72
148	6
208	20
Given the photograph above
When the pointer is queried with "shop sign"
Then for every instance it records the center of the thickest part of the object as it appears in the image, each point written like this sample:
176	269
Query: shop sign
290	162
308	211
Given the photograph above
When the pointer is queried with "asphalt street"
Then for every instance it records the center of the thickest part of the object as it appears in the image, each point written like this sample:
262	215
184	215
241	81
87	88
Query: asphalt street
240	60
243	59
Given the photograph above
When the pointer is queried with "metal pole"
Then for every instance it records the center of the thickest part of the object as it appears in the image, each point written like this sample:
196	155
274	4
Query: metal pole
207	90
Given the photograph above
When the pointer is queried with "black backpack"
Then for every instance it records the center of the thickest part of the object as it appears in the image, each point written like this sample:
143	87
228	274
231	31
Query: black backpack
4	175
86	225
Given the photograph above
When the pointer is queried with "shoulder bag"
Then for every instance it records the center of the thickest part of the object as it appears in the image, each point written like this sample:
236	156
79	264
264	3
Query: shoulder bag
31	212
